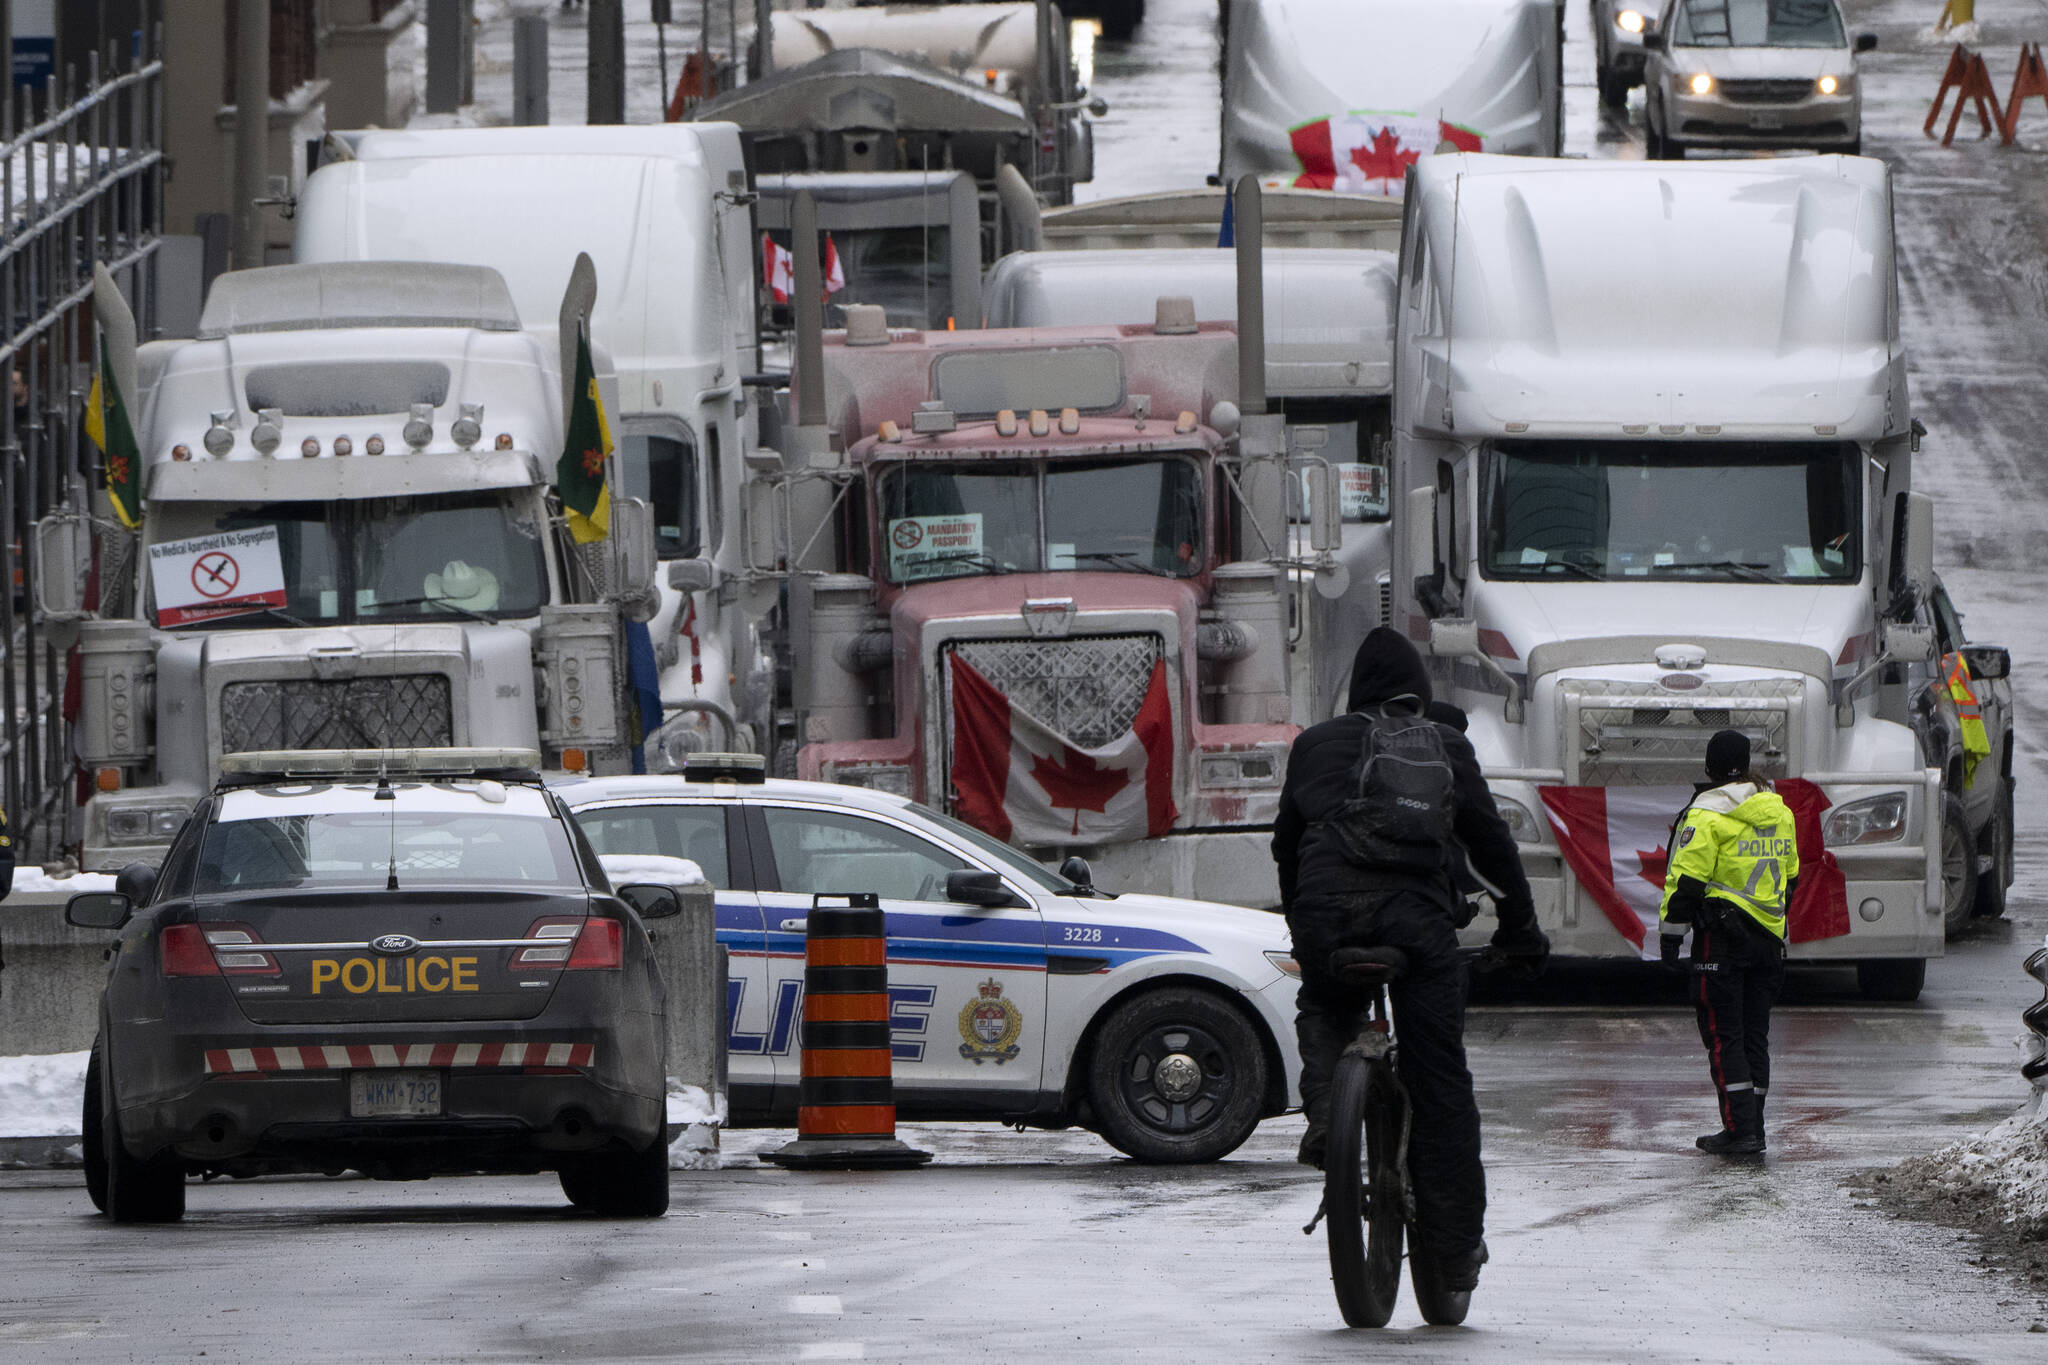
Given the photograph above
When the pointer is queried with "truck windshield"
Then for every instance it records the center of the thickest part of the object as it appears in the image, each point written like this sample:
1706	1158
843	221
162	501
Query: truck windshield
1758	23
432	557
1129	516
1765	512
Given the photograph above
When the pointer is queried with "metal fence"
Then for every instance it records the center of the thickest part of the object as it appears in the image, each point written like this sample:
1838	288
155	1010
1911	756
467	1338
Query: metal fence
83	183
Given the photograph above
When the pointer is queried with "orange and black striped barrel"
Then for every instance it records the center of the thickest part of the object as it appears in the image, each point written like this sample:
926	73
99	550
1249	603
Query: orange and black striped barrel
846	1090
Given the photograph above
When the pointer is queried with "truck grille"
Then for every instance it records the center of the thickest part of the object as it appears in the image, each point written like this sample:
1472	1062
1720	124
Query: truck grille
1634	735
1766	91
1087	688
408	711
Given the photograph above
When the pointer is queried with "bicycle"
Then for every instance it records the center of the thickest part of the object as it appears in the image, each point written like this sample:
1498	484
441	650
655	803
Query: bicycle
1368	1200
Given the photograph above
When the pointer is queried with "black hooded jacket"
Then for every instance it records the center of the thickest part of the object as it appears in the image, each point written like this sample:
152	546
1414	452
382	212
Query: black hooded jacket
1315	872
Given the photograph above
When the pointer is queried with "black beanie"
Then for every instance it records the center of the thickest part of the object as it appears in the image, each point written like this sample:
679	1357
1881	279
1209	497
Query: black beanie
1727	755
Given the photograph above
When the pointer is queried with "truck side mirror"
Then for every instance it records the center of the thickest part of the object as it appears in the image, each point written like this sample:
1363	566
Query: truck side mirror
692	575
97	910
1909	644
63	558
1421	534
1326	510
1988	663
1914	540
633	561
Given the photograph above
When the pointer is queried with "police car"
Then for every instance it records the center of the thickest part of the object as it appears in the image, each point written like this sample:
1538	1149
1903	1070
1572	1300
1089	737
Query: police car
1017	995
403	962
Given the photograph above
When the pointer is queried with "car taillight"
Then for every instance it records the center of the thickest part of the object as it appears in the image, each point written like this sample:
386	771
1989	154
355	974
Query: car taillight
186	951
575	944
602	944
214	950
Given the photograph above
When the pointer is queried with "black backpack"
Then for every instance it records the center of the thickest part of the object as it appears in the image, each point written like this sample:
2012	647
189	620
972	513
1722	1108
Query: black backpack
1399	817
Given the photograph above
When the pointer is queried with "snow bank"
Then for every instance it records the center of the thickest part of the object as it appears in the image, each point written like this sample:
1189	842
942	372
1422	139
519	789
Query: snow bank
696	1116
40	1095
623	868
2009	1165
35	879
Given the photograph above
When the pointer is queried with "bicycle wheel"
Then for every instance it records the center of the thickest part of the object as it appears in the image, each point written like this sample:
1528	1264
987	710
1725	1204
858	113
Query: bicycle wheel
1362	1190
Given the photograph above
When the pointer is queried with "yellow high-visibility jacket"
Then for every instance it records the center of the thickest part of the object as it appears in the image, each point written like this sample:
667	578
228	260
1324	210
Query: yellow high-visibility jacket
1737	841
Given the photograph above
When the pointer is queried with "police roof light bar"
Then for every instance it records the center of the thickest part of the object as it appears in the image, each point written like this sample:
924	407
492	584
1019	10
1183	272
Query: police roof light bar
268	764
709	767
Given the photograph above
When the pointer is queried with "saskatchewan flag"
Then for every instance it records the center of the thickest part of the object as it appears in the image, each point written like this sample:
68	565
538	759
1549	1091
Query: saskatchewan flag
579	474
106	422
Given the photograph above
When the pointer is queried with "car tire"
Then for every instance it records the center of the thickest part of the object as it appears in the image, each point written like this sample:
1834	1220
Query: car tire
621	1185
92	1139
1958	867
1199	1108
148	1190
1991	884
1895	979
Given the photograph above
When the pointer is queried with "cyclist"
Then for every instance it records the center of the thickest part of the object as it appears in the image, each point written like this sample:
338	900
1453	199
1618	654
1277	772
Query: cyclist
1734	866
1332	902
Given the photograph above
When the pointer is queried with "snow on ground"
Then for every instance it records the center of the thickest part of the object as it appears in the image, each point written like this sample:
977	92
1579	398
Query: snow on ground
696	1115
35	879
40	1095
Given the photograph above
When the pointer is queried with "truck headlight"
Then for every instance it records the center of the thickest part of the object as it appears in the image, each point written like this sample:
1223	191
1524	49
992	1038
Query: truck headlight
144	824
1873	820
1629	21
1524	826
1243	768
895	778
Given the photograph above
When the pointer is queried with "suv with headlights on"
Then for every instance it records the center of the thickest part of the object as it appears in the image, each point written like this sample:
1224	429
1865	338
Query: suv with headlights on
1751	73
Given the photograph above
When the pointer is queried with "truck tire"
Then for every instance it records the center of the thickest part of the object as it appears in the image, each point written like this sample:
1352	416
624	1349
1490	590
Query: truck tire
1896	979
1992	882
1958	867
1177	1076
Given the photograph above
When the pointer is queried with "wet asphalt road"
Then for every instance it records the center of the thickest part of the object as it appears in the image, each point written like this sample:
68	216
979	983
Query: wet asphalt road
1611	1239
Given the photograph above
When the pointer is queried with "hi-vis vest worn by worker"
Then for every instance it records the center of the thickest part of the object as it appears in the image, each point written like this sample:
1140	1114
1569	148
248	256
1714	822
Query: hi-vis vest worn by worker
1969	714
1737	840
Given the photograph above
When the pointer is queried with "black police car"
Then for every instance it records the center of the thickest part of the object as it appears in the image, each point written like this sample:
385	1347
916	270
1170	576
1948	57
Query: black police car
403	963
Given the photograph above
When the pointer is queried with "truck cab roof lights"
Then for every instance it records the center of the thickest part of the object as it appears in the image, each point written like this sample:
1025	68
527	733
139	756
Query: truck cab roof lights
419	428
374	446
458	761
890	432
1006	422
310	448
220	434
504	441
1070	421
867	324
933	418
1182	425
1040	422
181	453
268	433
1173	315
468	428
709	767
1225	418
344	446
1141	408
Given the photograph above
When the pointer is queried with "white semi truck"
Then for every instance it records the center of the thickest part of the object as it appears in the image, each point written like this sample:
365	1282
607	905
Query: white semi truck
1654	452
348	540
663	213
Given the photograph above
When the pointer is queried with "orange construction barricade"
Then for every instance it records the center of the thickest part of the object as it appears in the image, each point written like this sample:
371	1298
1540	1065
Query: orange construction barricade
846	1100
2030	79
1971	80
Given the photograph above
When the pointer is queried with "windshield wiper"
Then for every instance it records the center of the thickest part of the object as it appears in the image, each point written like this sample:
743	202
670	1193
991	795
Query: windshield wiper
441	602
1754	573
1584	571
274	613
1121	557
972	558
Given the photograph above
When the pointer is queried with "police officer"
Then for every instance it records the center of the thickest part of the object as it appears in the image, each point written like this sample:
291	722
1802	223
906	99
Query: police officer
1734	864
1332	902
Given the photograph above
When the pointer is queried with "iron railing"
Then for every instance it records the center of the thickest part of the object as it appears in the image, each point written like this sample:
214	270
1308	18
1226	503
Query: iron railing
81	182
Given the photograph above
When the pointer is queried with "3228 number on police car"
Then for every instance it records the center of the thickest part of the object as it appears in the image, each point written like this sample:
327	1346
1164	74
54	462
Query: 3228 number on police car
394	1094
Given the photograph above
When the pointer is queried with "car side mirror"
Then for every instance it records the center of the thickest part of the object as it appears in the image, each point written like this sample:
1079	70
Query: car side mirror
651	900
1988	663
98	910
1866	42
972	886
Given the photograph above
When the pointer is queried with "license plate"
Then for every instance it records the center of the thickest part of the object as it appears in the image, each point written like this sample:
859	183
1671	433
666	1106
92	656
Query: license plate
1770	120
394	1094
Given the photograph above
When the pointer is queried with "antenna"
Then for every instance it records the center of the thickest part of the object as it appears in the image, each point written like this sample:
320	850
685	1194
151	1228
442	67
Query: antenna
384	793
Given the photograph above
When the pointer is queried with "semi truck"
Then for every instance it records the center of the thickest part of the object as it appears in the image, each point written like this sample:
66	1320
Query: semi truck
1048	589
664	214
1654	453
347	538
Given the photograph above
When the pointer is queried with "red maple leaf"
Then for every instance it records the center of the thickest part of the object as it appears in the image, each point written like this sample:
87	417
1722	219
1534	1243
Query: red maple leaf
593	461
1078	784
1385	158
1653	865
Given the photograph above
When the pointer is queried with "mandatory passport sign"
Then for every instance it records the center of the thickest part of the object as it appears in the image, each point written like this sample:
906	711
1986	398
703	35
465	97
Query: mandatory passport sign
225	574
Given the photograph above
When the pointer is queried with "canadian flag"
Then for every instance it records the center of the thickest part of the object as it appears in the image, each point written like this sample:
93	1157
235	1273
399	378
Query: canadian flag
1018	779
1616	840
778	269
1369	152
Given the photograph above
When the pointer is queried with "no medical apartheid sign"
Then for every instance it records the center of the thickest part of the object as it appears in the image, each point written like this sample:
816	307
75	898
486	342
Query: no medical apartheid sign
225	574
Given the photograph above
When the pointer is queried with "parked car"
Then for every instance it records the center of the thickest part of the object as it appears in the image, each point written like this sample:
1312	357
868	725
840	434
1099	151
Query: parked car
1751	73
1977	799
1016	994
400	962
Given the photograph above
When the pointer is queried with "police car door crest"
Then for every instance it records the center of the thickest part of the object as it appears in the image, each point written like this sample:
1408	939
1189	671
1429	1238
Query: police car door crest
990	1025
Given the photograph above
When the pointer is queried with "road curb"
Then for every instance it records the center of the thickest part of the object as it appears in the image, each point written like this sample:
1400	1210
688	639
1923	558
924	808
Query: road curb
41	1153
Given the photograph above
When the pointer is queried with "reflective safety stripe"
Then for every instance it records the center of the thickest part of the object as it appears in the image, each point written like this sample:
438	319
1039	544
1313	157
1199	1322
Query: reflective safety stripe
1734	1086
